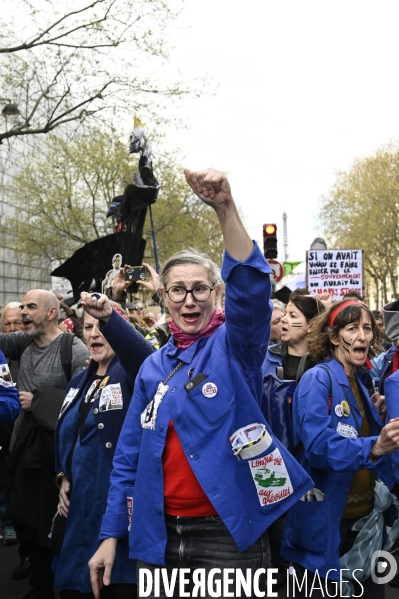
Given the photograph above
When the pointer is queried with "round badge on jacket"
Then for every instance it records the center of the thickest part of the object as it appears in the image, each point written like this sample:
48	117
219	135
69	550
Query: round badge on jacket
209	390
345	409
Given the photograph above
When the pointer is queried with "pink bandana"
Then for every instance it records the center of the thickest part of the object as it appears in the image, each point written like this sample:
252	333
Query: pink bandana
185	340
68	322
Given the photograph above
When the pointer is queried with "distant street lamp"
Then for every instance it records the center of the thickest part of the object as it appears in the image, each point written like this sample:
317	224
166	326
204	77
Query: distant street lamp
10	109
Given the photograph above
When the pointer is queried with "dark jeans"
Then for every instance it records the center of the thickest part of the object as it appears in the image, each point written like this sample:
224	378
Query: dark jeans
113	591
275	534
200	545
42	576
371	590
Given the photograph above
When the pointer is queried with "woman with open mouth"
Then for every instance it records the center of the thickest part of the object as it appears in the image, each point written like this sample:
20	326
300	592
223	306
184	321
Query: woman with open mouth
345	448
87	432
280	370
186	487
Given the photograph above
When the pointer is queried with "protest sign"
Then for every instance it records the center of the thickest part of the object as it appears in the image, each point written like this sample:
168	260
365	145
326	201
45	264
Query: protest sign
334	271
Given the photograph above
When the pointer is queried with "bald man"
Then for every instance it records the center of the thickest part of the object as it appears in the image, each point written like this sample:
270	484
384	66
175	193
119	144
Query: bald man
33	495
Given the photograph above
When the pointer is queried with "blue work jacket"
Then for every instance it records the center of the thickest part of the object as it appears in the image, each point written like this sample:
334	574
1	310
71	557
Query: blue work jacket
272	359
392	402
380	365
231	360
89	468
311	537
277	396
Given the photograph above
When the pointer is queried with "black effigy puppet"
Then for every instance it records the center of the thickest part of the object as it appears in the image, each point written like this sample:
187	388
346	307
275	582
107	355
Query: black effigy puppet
85	269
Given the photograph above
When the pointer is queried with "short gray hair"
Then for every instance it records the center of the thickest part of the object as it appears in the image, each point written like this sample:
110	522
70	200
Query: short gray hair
190	255
11	306
278	305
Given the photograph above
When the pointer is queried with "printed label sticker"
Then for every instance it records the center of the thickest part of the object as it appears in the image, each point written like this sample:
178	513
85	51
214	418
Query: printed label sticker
129	510
347	430
111	398
271	478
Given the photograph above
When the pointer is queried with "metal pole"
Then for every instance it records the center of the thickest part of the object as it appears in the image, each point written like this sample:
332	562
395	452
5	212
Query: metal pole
154	242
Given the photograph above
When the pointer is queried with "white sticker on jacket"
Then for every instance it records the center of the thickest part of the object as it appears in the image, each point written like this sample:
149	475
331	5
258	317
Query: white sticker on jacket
69	397
209	390
4	383
271	478
111	398
347	430
5	374
149	416
338	410
129	501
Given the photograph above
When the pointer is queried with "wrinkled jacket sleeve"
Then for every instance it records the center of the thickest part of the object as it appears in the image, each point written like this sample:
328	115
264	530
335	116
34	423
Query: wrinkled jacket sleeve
325	448
248	308
123	475
128	344
9	343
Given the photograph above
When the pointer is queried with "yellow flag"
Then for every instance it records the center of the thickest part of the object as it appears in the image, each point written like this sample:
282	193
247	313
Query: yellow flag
138	122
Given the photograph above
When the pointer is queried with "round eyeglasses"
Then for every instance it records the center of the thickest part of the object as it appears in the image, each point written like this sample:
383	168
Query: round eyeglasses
200	293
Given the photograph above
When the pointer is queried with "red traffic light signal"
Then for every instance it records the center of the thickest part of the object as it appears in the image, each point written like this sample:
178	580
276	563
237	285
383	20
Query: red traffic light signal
270	241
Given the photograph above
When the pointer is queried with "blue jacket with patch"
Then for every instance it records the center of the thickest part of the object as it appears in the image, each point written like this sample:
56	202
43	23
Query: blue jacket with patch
231	359
311	537
89	468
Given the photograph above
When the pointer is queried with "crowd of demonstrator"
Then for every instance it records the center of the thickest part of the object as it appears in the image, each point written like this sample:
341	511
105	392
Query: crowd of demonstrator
231	435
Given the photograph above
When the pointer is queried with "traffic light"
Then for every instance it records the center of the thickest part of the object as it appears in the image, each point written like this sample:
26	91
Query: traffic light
270	241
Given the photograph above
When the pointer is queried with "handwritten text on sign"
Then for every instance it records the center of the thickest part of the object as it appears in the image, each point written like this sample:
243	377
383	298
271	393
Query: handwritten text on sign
335	271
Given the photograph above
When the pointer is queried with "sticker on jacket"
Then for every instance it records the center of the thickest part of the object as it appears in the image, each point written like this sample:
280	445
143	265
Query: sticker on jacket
250	441
5	376
91	395
271	478
69	397
111	398
149	416
347	430
129	501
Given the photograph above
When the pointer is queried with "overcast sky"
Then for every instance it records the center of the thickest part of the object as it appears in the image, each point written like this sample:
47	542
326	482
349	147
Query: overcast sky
305	87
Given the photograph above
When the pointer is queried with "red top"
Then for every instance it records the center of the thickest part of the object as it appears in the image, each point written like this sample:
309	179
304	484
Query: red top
183	493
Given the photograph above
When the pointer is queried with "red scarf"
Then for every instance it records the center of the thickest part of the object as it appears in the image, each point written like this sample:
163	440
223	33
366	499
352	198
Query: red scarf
185	339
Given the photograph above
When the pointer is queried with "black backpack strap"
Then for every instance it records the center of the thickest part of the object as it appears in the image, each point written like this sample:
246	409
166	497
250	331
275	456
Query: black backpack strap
23	344
280	372
301	367
66	354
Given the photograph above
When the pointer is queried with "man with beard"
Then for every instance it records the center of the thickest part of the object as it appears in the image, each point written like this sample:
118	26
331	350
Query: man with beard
34	496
